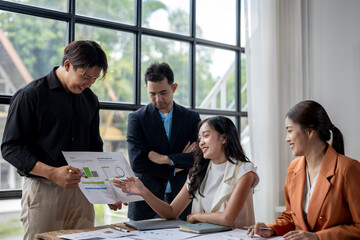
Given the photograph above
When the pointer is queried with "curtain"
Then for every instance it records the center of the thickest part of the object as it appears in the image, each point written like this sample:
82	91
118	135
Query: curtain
276	72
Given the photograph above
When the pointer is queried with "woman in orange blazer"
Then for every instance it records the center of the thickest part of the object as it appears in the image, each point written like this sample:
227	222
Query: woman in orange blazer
322	188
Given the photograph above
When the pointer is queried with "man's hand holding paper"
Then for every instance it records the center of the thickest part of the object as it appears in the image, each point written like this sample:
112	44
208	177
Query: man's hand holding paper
99	169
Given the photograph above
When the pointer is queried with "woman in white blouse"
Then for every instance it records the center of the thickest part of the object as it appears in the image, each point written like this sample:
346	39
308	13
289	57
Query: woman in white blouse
220	184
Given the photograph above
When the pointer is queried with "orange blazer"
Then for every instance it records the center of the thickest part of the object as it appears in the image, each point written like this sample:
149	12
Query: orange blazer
334	207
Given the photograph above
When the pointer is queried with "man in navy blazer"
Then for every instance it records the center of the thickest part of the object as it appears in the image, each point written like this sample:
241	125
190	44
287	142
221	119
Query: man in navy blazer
161	137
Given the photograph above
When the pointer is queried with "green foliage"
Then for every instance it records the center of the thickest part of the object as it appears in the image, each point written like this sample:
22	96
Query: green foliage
119	47
243	82
29	35
99	212
11	227
113	10
149	7
179	22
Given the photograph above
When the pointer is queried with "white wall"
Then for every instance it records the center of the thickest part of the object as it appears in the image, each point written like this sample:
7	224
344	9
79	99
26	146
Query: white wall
334	69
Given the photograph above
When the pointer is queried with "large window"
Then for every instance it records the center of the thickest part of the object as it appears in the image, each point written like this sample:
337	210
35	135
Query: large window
200	39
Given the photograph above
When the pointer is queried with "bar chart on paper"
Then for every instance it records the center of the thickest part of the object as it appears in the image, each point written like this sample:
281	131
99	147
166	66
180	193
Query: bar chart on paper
173	234
99	168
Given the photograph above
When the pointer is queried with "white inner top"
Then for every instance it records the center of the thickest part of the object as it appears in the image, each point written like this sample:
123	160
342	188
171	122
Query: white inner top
212	183
308	191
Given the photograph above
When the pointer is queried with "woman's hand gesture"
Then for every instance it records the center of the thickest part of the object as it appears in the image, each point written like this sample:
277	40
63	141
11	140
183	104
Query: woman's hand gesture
131	185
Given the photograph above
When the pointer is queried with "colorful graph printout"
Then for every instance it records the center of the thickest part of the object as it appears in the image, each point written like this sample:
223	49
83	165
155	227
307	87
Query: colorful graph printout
99	168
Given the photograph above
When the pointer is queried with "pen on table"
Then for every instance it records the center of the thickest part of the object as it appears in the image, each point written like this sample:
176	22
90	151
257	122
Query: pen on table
228	237
122	229
262	228
73	172
117	179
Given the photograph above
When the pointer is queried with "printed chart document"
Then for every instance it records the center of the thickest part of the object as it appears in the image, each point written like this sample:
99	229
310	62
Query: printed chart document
99	168
163	234
235	234
106	233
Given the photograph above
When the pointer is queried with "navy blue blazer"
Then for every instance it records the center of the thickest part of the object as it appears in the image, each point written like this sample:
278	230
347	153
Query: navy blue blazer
146	133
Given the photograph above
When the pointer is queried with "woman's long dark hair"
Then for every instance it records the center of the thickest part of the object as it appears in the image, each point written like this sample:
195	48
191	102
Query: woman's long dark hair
310	114
232	148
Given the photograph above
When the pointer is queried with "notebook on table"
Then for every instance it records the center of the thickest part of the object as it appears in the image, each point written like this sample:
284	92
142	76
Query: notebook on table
154	224
203	228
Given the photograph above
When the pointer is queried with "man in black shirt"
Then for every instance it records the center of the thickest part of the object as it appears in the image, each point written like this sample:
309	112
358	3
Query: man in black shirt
55	113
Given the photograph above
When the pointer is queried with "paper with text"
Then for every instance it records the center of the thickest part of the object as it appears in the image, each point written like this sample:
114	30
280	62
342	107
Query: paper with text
105	233
99	168
163	234
235	234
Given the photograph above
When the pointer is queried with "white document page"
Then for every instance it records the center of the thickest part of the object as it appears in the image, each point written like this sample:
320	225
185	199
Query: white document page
235	234
163	234
99	168
106	233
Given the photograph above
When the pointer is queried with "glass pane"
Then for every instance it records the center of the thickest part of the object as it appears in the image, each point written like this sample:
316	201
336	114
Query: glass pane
29	48
176	54
119	48
243	92
122	11
10	225
245	137
242	24
167	15
215	78
105	216
216	20
9	178
60	5
204	116
113	129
